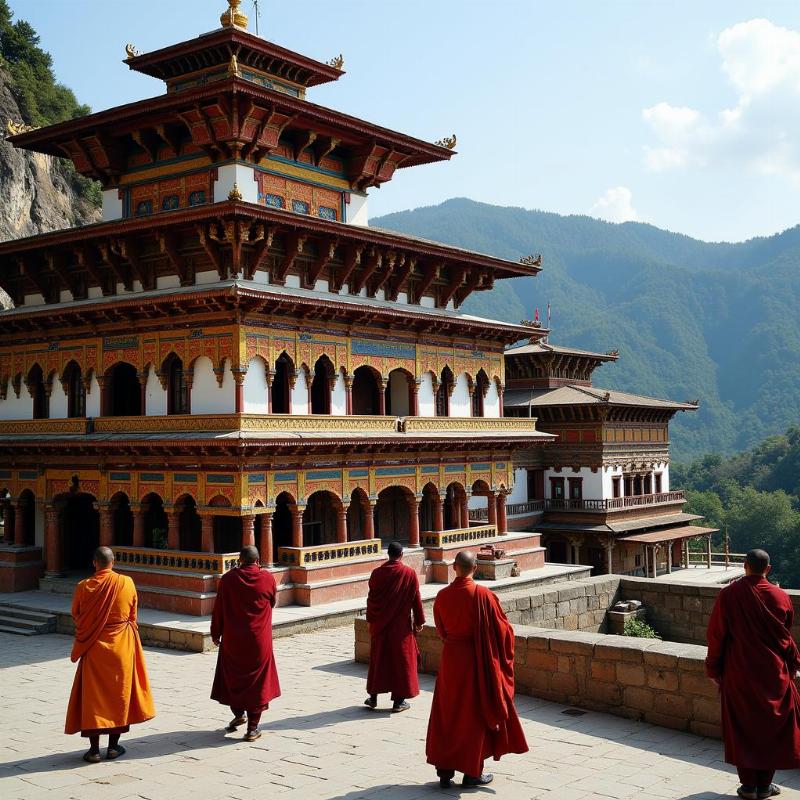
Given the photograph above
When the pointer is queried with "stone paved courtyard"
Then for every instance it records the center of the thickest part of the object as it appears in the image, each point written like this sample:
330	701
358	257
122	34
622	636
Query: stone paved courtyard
319	742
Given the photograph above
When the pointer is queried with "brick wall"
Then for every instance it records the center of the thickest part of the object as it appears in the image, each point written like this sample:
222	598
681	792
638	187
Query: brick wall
662	683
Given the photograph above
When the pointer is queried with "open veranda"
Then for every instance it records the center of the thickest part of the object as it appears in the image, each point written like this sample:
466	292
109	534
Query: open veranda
319	740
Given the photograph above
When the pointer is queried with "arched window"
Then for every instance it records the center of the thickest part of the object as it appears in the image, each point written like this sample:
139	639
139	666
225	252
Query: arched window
75	390
36	387
321	386
366	392
281	386
443	393
398	393
479	393
123	394
177	390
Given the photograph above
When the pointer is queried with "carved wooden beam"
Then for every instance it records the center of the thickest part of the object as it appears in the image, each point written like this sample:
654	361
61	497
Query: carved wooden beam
359	280
325	251
56	263
301	142
79	147
380	278
40	282
87	260
114	263
402	273
169	138
295	243
261	236
352	259
447	292
324	146
168	245
129	250
429	275
474	279
206	234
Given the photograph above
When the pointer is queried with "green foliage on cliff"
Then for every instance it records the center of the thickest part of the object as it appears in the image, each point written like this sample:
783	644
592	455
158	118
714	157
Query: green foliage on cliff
755	497
40	98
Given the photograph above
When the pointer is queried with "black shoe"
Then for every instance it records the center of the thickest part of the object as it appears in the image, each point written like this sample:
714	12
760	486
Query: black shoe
371	702
769	791
485	778
115	752
398	707
90	757
445	778
444	783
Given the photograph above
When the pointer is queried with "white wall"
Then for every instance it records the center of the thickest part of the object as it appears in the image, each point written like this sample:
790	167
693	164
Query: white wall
155	396
491	403
609	473
240	174
300	394
426	396
207	396
16	408
112	205
592	482
398	391
93	399
339	396
459	400
519	492
356	212
664	470
255	388
59	405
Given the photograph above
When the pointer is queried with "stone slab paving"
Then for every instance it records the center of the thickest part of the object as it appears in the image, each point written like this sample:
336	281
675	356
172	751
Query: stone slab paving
698	574
319	741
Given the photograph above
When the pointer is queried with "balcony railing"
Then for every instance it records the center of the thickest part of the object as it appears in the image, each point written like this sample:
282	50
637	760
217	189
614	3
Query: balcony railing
614	504
473	535
512	510
175	560
328	553
469	424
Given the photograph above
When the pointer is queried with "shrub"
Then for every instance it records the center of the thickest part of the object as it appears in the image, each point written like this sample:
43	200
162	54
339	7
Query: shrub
640	629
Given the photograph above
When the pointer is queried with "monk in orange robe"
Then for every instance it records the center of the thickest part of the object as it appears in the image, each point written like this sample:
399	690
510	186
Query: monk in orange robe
111	691
753	658
394	615
473	715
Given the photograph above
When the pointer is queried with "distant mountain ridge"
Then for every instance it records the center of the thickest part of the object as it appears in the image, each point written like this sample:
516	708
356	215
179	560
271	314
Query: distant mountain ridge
718	321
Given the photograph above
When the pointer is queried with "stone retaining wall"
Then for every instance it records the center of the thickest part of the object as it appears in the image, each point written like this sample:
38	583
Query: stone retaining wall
663	683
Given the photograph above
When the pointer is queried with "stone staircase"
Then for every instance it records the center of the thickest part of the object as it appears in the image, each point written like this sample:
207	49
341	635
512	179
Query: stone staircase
25	622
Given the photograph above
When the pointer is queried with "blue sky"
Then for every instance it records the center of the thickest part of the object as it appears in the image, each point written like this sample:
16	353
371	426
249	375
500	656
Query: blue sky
682	114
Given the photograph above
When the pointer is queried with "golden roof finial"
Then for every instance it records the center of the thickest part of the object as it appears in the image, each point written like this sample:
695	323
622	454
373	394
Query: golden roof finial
233	17
235	193
336	63
449	142
130	51
233	67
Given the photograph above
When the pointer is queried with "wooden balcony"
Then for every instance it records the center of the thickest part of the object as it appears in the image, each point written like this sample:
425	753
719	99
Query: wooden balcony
468	424
512	510
325	554
472	535
614	504
44	427
152	559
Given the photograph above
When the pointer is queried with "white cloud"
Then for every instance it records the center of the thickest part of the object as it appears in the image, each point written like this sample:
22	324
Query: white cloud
615	206
760	132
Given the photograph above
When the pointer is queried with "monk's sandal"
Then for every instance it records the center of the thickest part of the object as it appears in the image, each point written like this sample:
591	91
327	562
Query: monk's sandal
92	758
769	791
398	707
747	793
235	723
115	752
252	735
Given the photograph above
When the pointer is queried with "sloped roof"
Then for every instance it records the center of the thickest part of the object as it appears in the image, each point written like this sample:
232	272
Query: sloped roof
574	395
542	348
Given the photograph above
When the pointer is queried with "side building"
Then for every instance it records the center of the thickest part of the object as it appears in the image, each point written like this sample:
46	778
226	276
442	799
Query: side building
600	494
234	356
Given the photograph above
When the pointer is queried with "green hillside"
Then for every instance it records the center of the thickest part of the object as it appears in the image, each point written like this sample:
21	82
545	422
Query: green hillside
692	319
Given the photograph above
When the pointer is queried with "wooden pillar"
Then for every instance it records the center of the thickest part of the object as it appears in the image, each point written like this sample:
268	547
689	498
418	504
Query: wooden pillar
463	504
438	516
413	399
269	375
502	522
142	376
207	533
708	551
238	378
297	525
52	542
106	527
500	398
138	528
265	540
248	531
19	525
413	522
382	398
173	530
654	564
348	395
610	558
341	525
9	522
369	520
491	508
669	557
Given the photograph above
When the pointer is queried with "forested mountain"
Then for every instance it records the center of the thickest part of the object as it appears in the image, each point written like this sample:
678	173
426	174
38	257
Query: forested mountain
692	319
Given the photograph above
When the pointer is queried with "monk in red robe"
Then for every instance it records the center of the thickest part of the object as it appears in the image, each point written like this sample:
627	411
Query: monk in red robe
473	715
241	625
753	658
394	614
111	691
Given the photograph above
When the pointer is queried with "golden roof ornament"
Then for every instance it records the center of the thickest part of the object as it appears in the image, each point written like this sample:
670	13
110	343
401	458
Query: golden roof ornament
233	17
449	142
532	261
131	51
235	193
336	63
15	128
233	67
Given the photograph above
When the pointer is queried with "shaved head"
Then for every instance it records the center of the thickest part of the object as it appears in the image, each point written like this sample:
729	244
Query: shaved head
103	557
464	564
758	561
249	555
394	550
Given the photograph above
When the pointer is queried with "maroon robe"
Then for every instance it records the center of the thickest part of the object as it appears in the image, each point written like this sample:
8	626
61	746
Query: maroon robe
246	676
473	715
393	599
752	653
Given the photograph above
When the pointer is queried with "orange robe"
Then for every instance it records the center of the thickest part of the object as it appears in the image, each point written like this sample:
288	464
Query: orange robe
473	715
111	689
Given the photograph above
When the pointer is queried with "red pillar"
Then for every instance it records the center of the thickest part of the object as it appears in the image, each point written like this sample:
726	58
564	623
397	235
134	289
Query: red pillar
341	525
19	525
9	522
239	383
207	533
173	531
463	504
269	393
413	522
413	399
348	393
248	530
52	539
502	522
369	521
382	398
138	528
491	507
297	526
265	540
500	398
106	527
142	376
438	516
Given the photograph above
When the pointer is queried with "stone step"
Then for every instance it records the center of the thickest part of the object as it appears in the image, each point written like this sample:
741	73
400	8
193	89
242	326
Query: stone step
16	631
17	620
9	609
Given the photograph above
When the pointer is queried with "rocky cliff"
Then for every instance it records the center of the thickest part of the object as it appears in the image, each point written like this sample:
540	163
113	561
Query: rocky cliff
37	192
